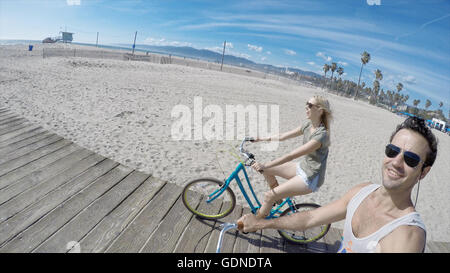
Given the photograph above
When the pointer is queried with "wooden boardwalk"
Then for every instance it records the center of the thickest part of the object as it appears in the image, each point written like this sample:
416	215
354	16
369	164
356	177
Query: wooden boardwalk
56	196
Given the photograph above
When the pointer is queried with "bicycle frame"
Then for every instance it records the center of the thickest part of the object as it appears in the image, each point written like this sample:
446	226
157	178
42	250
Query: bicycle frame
253	207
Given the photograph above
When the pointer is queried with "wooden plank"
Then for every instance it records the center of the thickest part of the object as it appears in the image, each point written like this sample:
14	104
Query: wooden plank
229	238
29	148
6	122
5	116
95	166
136	234
24	165
196	235
165	237
14	126
437	247
247	243
81	224
113	224
20	161
24	142
333	239
37	233
271	241
47	172
20	137
33	194
15	133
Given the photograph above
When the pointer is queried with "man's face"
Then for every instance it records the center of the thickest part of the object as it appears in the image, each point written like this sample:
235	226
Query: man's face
397	175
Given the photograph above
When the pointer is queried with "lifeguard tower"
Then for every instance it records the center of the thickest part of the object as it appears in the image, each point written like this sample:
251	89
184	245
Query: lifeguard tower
439	124
66	37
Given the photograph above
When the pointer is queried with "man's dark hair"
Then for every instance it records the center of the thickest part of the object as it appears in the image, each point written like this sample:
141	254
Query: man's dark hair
418	125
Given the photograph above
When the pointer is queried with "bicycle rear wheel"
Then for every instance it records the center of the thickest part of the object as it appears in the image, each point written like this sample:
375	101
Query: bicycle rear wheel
306	236
206	189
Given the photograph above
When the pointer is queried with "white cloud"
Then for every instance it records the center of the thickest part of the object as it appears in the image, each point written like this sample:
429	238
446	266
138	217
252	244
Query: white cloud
73	2
164	42
373	2
409	79
255	48
343	63
268	53
311	63
324	57
290	52
263	58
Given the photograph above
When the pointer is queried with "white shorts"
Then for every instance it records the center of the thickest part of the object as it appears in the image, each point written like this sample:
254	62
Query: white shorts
312	184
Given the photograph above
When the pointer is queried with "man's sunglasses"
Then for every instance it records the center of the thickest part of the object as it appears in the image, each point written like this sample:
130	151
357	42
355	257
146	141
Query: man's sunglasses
310	105
411	159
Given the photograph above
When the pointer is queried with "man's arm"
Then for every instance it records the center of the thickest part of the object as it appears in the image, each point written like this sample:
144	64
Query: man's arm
404	239
330	213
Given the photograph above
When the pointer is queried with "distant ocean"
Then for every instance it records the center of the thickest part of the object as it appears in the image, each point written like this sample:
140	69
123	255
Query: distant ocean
32	42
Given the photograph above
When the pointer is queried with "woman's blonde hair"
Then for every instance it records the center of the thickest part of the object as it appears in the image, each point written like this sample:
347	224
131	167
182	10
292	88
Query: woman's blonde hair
327	116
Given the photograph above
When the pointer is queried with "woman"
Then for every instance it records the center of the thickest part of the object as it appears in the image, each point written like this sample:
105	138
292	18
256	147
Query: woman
307	175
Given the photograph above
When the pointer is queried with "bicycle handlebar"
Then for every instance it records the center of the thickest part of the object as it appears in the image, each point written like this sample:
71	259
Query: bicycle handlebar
246	153
225	227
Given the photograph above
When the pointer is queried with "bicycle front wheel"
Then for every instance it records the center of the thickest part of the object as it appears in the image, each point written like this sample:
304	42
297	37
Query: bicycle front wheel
307	236
213	204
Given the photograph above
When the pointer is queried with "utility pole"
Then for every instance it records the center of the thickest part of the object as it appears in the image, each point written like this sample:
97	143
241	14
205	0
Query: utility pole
223	54
134	44
96	44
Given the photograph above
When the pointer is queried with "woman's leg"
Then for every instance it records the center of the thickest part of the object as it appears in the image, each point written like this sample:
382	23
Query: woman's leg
286	171
293	187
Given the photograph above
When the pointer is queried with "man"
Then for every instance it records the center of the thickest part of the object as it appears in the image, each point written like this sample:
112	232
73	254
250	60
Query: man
379	218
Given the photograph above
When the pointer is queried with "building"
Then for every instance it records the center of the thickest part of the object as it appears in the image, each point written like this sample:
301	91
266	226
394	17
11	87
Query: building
439	124
66	37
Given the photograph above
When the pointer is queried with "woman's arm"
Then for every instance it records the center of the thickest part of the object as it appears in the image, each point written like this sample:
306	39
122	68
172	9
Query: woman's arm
306	148
293	133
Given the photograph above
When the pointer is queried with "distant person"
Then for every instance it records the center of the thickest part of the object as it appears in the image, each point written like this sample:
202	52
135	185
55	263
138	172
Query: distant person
378	218
307	175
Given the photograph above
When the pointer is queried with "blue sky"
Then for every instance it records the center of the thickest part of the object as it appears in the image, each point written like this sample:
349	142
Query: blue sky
409	41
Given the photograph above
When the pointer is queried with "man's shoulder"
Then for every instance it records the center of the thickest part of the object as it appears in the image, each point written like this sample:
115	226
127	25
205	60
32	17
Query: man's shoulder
405	238
355	189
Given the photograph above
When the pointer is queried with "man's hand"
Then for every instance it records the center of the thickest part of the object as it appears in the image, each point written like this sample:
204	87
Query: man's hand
251	224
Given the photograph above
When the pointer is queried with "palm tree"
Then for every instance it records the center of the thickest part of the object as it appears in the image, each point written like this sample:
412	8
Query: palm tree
340	71
378	77
399	87
326	68
441	104
333	68
416	102
376	89
365	58
427	104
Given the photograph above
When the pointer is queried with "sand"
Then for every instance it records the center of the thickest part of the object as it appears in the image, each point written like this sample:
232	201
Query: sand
123	110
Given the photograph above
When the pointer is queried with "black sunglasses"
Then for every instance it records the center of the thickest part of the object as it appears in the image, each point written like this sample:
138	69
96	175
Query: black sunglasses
411	159
310	105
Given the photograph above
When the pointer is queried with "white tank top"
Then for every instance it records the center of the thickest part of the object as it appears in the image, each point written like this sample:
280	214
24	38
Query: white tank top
368	244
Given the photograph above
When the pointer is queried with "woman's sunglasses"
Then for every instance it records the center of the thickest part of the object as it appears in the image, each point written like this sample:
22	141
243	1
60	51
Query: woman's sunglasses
411	159
310	105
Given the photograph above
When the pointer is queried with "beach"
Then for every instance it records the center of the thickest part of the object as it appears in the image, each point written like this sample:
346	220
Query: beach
123	110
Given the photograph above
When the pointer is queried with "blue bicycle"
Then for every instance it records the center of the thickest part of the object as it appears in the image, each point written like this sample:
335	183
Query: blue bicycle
218	200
